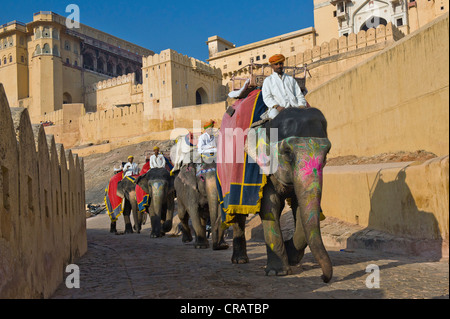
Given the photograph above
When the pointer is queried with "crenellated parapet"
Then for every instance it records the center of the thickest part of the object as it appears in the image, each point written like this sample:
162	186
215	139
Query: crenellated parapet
172	56
42	207
119	80
352	42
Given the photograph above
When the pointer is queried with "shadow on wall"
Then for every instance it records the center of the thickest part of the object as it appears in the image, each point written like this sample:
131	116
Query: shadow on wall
393	210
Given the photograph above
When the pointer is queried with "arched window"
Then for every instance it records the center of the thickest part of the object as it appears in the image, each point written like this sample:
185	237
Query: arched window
201	97
46	49
373	22
55	50
67	45
119	70
109	68
55	34
10	59
88	62
67	98
11	41
100	65
128	70
46	32
4	60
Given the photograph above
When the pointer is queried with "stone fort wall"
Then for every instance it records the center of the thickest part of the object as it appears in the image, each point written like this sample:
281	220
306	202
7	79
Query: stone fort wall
42	219
396	100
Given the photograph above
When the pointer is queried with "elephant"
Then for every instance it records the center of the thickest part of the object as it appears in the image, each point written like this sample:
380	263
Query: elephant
302	146
197	198
158	183
126	189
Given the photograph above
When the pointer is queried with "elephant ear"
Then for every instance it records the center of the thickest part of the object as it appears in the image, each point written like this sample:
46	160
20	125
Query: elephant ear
261	151
188	177
142	182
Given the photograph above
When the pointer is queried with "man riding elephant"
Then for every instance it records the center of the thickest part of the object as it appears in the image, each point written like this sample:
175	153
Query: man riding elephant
197	192
297	142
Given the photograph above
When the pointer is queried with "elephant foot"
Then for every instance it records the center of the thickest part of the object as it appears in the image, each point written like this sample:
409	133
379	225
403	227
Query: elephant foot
187	238
276	265
203	244
137	229
128	229
278	271
167	226
155	235
239	251
294	255
220	246
113	228
239	259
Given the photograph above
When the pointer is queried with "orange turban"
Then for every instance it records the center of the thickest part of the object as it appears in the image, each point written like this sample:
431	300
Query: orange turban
277	58
209	124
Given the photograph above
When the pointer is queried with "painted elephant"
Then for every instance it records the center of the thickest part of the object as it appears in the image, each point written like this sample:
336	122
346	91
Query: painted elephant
198	198
126	189
302	146
158	183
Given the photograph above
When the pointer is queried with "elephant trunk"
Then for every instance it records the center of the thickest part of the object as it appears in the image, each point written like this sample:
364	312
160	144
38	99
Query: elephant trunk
158	194
167	226
308	189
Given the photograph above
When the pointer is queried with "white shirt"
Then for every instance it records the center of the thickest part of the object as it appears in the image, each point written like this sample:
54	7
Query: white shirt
157	161
283	91
207	143
131	169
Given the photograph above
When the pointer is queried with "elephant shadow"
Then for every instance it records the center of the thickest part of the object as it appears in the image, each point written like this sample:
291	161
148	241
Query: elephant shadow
396	225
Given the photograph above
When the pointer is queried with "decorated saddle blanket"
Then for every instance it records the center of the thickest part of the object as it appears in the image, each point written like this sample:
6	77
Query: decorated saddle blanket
239	181
113	202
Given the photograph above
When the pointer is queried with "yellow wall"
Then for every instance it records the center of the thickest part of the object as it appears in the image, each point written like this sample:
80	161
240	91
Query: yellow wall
397	100
404	199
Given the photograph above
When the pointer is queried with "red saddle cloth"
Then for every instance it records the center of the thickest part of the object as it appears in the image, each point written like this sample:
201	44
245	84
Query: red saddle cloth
112	201
239	180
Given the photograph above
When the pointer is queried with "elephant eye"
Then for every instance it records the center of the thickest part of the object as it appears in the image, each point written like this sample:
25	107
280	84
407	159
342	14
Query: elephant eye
287	154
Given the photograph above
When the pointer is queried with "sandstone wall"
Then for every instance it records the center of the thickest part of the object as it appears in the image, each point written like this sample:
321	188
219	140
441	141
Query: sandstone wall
396	100
42	219
403	199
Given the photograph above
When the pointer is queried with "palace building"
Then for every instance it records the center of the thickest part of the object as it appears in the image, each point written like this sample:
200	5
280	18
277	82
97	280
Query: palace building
83	79
44	64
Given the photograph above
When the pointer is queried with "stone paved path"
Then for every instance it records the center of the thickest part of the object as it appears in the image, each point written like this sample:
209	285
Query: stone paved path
136	266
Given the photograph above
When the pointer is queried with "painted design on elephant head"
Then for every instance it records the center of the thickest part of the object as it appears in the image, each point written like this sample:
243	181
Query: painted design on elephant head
312	166
310	158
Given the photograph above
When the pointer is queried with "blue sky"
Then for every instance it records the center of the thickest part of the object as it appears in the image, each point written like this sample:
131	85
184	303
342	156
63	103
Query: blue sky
180	25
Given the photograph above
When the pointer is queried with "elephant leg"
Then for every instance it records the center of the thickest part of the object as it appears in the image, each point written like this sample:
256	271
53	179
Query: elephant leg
184	222
217	231
199	227
295	247
113	228
239	243
167	225
144	216
137	215
155	221
277	259
126	217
